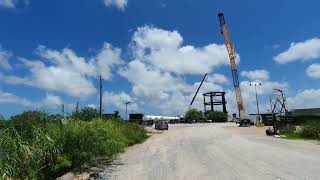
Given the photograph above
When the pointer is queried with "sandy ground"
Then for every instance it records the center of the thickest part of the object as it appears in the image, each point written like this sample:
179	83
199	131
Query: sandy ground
217	151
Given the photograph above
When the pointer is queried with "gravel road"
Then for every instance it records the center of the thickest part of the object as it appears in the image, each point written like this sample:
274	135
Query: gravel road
218	151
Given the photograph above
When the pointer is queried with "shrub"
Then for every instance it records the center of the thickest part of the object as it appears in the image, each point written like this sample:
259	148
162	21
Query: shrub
26	158
25	121
3	122
194	114
86	140
217	116
306	119
89	113
133	132
49	150
311	131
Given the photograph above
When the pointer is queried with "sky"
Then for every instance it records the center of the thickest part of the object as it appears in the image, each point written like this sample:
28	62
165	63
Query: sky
155	53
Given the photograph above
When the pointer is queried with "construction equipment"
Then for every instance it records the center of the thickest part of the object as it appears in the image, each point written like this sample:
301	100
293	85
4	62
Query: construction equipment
281	116
195	95
243	121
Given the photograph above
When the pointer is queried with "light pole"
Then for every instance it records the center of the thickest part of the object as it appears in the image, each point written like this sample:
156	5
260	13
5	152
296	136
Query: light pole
128	102
255	87
100	102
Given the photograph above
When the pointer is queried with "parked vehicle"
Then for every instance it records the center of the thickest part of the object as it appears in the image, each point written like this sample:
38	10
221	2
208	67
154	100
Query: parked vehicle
161	125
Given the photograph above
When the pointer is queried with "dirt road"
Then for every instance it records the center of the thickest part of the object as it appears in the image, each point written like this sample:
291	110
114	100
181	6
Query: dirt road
218	151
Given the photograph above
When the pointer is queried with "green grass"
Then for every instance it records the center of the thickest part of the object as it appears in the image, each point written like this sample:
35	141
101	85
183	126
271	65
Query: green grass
52	149
295	136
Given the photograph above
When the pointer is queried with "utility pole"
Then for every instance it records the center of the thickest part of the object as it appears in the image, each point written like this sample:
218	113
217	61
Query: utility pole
100	110
257	101
127	108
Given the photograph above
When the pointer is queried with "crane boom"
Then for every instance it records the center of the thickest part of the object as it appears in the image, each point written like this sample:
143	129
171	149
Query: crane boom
233	59
194	97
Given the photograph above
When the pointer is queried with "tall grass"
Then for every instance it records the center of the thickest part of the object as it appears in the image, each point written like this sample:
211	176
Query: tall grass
53	149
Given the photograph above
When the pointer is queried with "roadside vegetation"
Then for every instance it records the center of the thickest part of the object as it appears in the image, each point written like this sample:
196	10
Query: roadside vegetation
199	116
308	128
36	145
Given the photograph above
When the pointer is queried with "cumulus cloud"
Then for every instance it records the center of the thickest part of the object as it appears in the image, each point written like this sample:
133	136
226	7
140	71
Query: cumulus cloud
49	102
9	98
118	100
306	50
248	92
92	106
11	4
151	83
106	59
305	99
66	72
4	59
8	3
120	4
313	71
218	78
256	74
164	49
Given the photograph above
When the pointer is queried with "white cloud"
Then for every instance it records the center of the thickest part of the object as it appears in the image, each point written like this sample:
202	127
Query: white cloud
49	102
306	50
11	4
4	59
256	74
120	4
107	58
217	78
313	71
8	3
164	49
58	79
151	83
118	100
9	98
66	72
92	106
305	99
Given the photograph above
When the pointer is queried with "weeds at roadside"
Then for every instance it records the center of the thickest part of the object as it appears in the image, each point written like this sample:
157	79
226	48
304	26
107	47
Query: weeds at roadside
46	149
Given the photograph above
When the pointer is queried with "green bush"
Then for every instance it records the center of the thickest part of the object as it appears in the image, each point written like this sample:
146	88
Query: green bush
25	121
194	114
133	132
3	122
49	150
311	131
26	158
83	141
306	119
289	129
89	113
217	116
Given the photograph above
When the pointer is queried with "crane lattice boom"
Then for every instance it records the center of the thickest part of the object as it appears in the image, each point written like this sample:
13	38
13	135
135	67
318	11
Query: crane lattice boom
233	59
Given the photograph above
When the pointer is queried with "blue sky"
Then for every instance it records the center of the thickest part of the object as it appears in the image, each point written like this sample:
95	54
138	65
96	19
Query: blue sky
154	53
